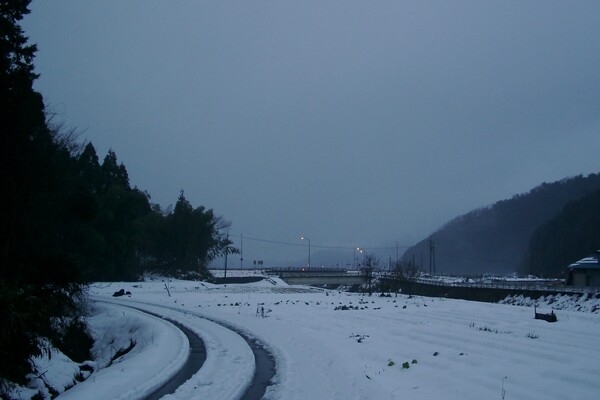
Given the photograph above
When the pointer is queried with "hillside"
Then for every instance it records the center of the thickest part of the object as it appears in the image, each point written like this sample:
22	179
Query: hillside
494	239
571	235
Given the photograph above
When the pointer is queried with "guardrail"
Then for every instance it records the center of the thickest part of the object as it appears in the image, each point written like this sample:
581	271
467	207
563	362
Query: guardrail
307	270
541	286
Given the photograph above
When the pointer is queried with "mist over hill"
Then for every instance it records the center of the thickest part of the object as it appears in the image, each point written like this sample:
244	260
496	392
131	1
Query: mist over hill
495	239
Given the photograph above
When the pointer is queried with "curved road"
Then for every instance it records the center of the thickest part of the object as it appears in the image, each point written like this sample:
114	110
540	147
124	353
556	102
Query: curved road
192	365
264	361
264	365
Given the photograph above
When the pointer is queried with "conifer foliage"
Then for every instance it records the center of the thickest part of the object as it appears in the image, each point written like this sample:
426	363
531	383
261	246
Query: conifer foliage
38	282
568	237
68	219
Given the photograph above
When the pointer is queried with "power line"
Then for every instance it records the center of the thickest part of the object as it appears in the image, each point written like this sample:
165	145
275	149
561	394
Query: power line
268	241
282	243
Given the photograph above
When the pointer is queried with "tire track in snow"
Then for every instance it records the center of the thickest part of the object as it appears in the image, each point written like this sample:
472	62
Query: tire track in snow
192	365
265	367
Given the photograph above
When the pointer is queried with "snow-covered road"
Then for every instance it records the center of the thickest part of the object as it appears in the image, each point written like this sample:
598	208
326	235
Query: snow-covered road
226	351
159	351
263	363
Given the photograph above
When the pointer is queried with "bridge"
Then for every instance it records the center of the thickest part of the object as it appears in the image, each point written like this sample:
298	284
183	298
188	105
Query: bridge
319	276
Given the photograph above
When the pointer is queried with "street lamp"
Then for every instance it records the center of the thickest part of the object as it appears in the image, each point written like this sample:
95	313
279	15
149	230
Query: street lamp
308	240
360	251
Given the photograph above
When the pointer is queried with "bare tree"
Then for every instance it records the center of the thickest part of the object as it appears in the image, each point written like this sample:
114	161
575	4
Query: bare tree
370	264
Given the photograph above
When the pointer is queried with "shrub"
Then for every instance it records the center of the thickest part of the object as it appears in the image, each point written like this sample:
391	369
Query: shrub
532	335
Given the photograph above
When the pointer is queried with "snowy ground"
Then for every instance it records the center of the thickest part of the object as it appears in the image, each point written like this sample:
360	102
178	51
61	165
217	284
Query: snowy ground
453	349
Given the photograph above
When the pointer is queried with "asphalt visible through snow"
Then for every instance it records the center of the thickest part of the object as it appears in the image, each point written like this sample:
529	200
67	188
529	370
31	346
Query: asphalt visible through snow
192	365
264	366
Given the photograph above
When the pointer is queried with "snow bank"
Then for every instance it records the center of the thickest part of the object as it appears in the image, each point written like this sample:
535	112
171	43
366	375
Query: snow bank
158	353
575	302
56	373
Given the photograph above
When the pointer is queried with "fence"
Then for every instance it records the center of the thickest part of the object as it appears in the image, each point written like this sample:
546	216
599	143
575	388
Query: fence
481	291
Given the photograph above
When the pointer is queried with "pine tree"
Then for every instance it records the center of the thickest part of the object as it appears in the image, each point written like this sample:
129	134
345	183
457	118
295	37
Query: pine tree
38	280
89	167
113	174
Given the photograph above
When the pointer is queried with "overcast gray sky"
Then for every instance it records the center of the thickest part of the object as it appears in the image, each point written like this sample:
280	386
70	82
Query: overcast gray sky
351	122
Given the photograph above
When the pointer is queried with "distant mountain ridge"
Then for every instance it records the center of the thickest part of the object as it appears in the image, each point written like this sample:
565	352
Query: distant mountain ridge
495	239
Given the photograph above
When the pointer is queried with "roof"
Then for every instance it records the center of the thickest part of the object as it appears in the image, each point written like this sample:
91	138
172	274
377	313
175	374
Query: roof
589	262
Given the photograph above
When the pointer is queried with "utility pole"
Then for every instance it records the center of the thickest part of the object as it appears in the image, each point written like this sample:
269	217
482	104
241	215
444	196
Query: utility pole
431	256
241	251
434	264
396	252
308	240
226	251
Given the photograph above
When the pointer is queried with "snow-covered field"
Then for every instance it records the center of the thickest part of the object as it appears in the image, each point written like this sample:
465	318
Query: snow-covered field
336	345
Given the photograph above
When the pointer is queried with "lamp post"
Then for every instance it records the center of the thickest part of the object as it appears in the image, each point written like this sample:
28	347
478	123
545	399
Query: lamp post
360	251
308	240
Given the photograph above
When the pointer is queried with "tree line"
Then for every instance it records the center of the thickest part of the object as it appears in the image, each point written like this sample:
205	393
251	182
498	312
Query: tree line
122	234
571	235
68	219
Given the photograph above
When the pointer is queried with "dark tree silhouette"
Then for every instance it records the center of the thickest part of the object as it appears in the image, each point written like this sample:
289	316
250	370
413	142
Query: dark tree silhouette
68	220
39	280
573	234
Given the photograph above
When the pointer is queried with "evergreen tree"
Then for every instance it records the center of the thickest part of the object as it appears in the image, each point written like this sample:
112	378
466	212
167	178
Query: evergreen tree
89	167
118	238
113	174
67	219
39	280
571	235
190	238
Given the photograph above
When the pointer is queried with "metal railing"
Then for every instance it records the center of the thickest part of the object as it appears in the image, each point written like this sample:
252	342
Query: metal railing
307	270
543	286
